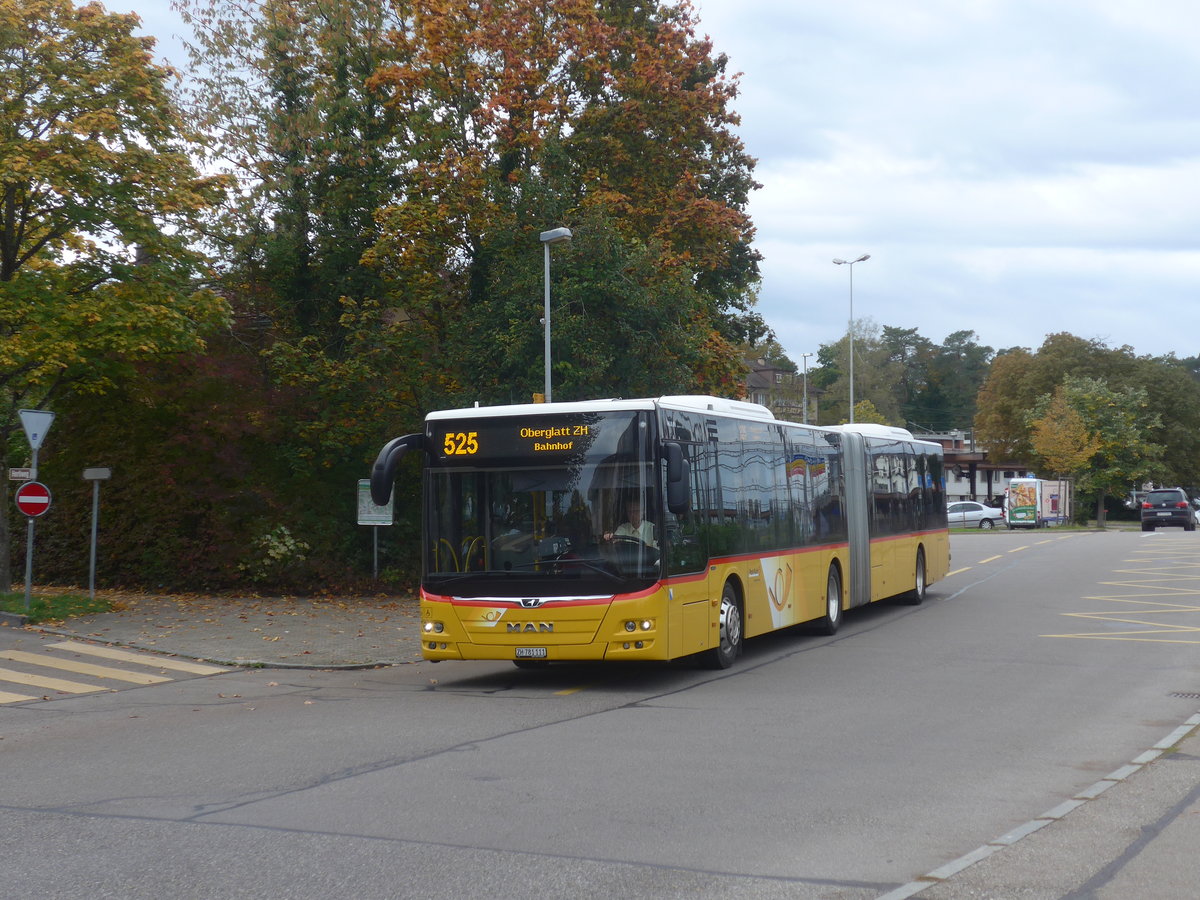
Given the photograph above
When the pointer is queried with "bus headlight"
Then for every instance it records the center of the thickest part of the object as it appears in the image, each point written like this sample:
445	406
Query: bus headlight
434	628
631	626
647	624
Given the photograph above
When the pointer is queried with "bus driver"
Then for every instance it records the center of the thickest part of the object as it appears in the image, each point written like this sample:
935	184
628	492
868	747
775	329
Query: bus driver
635	526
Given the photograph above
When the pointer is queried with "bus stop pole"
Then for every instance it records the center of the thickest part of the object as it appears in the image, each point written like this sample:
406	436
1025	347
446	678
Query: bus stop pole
92	561
95	475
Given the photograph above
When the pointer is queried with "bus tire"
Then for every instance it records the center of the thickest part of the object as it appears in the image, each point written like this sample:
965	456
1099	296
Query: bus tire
729	646
832	619
917	594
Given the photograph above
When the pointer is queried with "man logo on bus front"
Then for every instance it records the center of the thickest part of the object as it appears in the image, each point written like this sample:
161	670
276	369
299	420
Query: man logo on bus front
531	602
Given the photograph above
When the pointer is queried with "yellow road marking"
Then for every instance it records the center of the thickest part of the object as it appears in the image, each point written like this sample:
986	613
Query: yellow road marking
53	684
988	560
6	697
564	693
959	571
1106	637
178	665
1148	602
82	668
1018	549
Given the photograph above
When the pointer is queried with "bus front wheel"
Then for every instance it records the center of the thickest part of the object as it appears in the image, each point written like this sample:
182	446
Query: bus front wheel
729	646
833	603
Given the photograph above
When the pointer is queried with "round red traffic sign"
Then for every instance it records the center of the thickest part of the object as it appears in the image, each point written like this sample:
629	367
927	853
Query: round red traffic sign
33	498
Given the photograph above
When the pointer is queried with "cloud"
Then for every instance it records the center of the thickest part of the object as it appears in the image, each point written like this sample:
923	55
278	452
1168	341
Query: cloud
1014	168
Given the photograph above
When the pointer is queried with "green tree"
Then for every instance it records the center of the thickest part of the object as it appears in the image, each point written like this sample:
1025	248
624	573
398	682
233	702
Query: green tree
877	373
908	355
282	90
957	370
98	206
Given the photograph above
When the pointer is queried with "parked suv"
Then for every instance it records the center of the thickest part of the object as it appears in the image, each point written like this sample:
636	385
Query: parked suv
1167	506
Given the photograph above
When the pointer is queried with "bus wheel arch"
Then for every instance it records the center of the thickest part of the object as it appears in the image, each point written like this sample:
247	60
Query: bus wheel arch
731	629
834	597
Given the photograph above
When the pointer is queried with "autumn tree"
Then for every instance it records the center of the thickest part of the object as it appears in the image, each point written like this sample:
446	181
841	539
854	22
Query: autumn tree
1005	398
611	118
98	205
1061	438
1115	427
1019	380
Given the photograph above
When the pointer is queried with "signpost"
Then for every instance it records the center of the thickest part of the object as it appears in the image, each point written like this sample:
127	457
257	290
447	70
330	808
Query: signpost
33	499
95	476
370	514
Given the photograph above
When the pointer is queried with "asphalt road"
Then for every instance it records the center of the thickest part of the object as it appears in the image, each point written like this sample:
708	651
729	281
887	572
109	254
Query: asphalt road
836	767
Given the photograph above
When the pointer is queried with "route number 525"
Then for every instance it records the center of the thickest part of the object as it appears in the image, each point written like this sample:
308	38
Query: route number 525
461	443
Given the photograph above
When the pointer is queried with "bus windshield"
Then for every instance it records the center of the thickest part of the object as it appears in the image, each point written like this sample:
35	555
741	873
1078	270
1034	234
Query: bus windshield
585	519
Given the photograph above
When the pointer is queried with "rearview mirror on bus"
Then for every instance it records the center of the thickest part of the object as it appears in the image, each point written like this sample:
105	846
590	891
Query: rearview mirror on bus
383	473
677	478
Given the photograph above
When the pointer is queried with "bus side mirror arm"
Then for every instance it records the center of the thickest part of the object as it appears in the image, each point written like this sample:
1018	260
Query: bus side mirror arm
383	473
677	478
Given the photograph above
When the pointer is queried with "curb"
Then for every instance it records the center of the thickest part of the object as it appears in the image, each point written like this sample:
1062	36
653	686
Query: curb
13	620
217	661
943	873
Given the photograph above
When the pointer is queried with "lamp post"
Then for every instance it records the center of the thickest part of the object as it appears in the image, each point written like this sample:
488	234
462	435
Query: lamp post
805	357
554	236
850	263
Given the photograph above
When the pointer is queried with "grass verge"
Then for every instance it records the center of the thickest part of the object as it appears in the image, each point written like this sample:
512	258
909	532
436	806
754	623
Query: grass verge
52	607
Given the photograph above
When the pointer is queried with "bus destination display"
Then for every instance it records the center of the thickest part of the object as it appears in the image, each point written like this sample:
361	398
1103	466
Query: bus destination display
470	441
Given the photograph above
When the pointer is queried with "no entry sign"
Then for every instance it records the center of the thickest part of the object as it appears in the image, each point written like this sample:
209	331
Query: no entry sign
33	498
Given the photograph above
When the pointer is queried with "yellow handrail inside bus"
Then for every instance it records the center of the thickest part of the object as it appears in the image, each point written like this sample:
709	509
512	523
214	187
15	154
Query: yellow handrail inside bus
453	556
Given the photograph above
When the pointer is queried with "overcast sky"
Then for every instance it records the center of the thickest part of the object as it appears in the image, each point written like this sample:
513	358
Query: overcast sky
1014	167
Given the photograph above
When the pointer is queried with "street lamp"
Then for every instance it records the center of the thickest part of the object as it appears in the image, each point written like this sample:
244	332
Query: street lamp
850	263
554	236
805	357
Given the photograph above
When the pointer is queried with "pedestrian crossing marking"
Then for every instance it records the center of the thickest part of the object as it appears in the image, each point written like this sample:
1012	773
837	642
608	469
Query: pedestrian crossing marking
82	668
6	697
158	662
53	684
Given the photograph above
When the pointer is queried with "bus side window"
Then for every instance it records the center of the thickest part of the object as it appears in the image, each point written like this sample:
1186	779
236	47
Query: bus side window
685	545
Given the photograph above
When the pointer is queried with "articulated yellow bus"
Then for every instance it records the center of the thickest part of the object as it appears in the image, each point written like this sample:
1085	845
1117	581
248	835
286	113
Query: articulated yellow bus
660	528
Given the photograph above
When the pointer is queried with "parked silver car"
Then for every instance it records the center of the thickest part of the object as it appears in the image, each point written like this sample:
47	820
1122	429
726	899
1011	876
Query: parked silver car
971	514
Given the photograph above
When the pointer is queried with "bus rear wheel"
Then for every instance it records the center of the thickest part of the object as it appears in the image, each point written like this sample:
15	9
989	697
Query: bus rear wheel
833	603
917	594
729	647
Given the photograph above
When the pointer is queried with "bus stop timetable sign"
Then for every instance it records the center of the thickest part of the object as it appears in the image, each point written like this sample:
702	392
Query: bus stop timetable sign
368	512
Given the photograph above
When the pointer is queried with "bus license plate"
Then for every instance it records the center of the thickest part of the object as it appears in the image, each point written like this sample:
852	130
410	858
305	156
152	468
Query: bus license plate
531	653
